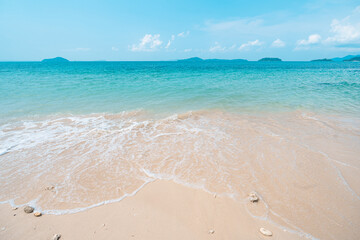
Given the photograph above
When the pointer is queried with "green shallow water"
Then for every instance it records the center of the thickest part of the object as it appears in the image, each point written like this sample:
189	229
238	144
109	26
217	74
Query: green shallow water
34	88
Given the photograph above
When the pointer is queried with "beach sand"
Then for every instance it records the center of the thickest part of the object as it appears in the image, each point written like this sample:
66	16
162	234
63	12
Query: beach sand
304	168
161	210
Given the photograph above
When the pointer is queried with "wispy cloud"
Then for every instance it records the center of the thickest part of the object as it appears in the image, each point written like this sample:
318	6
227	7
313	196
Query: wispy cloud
115	49
250	44
217	48
170	41
148	43
188	50
278	43
168	44
184	34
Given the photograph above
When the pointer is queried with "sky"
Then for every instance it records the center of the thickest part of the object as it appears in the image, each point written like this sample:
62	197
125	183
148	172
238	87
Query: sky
135	30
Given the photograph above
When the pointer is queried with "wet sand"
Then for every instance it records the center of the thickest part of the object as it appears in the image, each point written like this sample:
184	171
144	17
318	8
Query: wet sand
304	167
161	210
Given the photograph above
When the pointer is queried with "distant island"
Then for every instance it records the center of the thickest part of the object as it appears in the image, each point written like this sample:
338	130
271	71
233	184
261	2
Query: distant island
193	59
349	58
346	58
322	60
267	59
354	59
55	60
197	59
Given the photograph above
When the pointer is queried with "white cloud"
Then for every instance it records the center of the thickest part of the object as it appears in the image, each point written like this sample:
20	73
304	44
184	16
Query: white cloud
344	31
250	44
278	43
184	34
148	43
312	39
170	41
168	44
188	50
232	47
217	48
115	49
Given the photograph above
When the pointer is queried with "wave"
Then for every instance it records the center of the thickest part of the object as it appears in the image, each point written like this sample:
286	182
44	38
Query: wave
345	84
65	164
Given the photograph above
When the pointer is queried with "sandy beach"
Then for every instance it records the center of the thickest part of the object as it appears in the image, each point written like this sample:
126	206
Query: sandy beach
161	210
186	176
180	120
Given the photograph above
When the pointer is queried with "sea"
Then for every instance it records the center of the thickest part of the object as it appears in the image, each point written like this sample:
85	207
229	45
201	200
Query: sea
78	135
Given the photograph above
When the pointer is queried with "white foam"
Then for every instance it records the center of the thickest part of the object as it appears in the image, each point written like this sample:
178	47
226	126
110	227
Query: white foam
195	150
76	210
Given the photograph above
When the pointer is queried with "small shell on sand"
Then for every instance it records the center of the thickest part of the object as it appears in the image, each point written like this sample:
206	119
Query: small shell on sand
37	214
49	188
211	231
14	208
56	237
28	209
265	232
253	197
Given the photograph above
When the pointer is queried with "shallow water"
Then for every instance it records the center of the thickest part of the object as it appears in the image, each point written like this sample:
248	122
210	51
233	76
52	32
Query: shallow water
28	89
77	135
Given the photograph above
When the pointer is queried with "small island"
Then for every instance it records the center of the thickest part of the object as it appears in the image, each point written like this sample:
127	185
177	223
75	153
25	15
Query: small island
226	60
55	60
354	59
322	60
346	58
268	59
193	59
197	59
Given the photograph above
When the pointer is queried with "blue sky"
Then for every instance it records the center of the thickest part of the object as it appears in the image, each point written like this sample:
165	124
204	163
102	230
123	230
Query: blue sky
168	30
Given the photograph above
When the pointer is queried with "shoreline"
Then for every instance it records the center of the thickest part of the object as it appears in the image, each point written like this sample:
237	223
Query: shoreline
160	210
301	166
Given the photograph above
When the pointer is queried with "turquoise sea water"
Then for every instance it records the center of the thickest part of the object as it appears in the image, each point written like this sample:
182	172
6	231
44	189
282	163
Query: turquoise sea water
35	88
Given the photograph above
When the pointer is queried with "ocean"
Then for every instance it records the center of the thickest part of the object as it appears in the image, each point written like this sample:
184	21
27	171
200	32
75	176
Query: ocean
81	134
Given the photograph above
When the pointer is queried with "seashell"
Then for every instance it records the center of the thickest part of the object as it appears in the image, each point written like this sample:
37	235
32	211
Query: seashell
56	237
50	188
265	232
37	214
253	197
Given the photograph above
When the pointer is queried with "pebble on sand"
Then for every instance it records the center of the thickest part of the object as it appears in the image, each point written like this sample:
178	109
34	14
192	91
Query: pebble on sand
265	232
49	188
37	214
56	237
253	197
14	208
28	209
211	231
